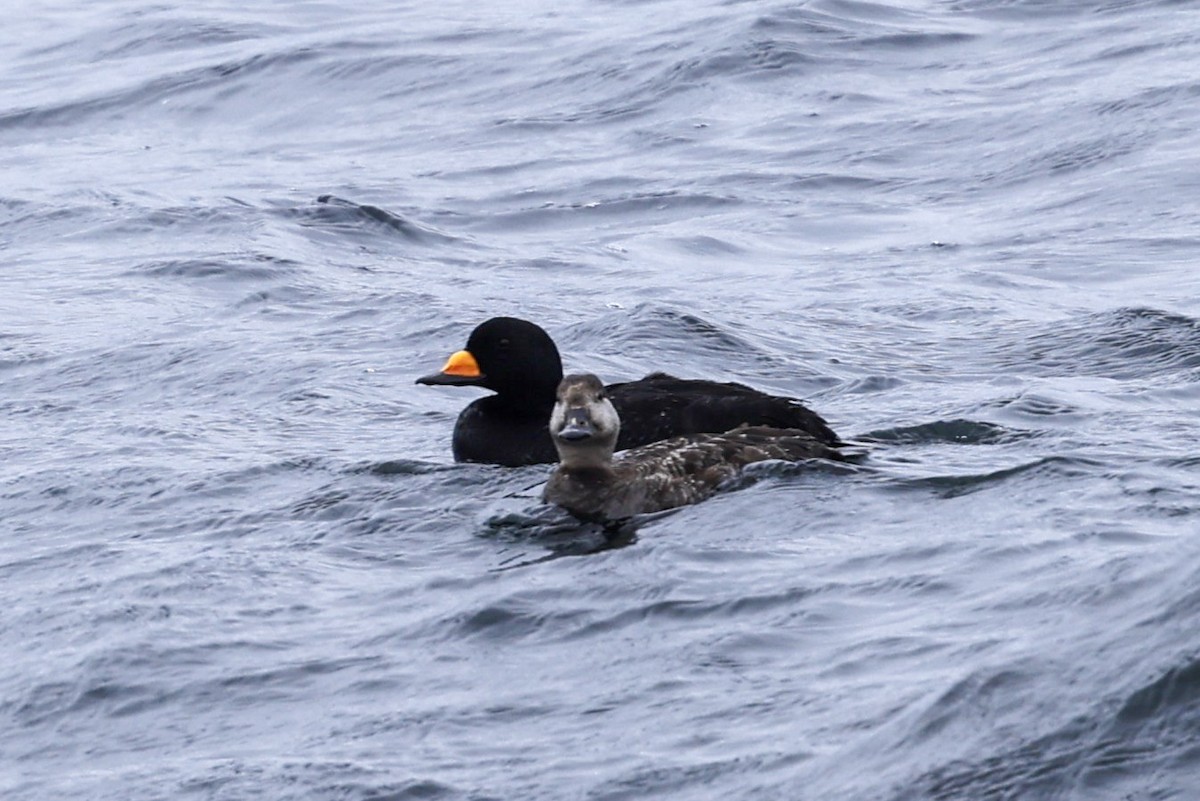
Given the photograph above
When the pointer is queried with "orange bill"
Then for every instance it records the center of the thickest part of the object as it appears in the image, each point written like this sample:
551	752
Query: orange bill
460	369
462	364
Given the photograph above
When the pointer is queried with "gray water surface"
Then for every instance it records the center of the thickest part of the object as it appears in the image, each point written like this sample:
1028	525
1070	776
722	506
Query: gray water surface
238	562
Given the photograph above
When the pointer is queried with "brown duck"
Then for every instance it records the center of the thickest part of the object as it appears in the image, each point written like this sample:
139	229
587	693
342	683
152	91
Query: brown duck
590	483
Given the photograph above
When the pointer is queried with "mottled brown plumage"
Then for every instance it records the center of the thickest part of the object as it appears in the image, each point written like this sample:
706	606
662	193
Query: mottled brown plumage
589	482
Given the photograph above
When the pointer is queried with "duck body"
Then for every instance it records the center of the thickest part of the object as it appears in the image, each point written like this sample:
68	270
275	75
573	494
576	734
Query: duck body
493	431
520	362
590	483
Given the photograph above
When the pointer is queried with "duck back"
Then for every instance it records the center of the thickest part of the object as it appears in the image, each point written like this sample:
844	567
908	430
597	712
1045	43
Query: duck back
661	405
677	471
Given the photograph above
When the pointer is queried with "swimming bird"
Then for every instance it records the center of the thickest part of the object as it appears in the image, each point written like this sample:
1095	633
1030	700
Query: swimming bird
520	363
590	483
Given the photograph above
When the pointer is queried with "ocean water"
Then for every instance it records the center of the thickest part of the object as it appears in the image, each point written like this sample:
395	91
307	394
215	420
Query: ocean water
238	562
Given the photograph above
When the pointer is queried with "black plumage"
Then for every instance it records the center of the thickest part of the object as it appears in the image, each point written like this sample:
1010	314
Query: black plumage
590	483
519	361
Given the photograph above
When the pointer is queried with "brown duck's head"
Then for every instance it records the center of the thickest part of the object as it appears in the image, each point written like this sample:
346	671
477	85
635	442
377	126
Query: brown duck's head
584	424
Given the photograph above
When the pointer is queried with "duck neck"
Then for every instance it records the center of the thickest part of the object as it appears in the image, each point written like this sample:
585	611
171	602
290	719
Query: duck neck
535	397
592	460
523	403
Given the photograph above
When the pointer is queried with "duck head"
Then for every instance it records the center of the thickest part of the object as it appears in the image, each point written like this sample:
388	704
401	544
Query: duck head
509	356
584	424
